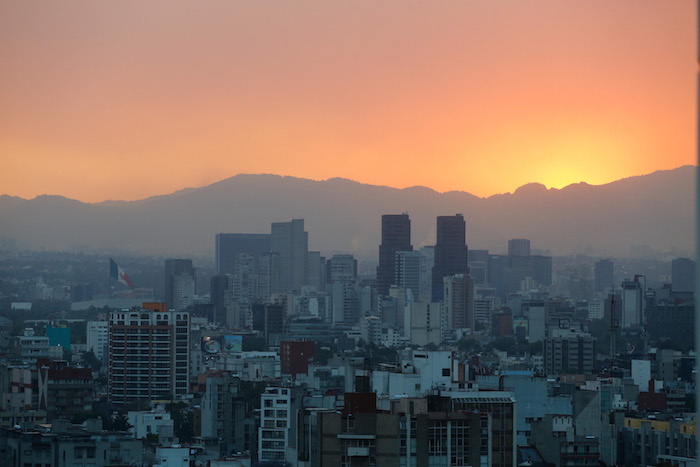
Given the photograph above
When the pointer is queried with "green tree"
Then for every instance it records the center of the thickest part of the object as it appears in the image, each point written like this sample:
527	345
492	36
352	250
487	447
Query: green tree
469	345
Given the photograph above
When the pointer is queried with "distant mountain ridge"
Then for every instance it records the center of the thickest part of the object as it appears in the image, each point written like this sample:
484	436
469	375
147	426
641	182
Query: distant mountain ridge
656	210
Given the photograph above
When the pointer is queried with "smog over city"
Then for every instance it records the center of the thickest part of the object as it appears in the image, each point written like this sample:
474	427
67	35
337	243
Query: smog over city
243	233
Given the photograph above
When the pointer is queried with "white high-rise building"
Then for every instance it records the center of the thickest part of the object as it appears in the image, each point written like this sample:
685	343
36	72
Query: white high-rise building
632	303
97	338
275	423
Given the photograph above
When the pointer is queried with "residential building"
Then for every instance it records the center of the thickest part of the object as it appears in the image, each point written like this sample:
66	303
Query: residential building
97	337
149	353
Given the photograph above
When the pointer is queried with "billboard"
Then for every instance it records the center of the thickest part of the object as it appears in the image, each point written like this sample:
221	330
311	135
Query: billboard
211	345
233	344
222	344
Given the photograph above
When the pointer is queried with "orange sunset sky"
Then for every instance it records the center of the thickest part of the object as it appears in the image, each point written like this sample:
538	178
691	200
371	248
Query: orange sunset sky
128	99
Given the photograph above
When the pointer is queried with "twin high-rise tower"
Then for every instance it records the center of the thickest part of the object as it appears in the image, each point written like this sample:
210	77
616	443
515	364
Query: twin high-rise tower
450	250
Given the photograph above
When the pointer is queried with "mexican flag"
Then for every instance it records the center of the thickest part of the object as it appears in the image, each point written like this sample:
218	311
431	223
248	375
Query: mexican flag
115	272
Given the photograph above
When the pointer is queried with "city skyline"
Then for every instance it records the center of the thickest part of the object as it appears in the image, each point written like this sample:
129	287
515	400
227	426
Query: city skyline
146	99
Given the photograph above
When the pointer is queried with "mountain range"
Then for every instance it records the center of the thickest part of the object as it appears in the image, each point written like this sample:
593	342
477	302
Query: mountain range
649	213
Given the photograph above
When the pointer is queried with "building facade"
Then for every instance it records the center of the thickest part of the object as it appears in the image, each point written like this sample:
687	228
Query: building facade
149	353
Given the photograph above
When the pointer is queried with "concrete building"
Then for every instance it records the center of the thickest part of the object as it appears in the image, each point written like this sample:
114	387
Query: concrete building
223	412
97	337
65	392
295	357
647	440
632	303
371	329
144	423
29	348
149	353
275	435
407	270
357	435
458	302
69	445
422	324
342	268
396	236
569	352
180	284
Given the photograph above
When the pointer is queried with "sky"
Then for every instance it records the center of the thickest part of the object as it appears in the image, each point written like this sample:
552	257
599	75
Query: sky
130	99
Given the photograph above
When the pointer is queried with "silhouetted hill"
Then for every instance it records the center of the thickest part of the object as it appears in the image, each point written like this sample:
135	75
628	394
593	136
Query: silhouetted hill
344	216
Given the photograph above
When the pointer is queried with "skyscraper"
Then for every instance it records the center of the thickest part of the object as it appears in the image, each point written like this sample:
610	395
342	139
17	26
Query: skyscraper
450	252
292	244
228	245
603	272
458	302
396	236
407	271
683	275
180	283
519	247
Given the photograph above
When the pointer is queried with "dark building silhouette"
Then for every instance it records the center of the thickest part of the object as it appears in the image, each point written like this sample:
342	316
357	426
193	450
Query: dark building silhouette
217	291
229	245
497	273
542	269
451	256
291	242
396	236
269	319
519	247
603	272
683	275
179	274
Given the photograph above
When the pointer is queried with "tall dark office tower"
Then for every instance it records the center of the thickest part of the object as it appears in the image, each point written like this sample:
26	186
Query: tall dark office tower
603	271
180	283
228	245
396	236
451	256
292	244
683	275
542	269
519	247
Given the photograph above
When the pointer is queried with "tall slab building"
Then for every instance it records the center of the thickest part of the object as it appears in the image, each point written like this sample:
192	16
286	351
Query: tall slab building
396	236
450	252
291	242
180	283
149	353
